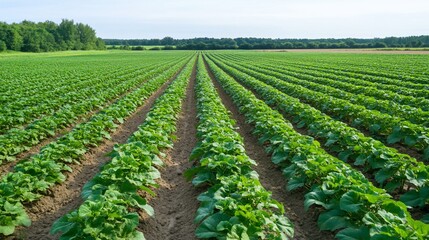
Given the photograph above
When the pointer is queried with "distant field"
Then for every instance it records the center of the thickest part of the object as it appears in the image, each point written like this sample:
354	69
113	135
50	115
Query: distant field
363	50
144	46
300	144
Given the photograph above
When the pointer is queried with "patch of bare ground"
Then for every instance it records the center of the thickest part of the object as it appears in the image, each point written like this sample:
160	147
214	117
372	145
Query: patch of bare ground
271	177
176	202
7	167
65	197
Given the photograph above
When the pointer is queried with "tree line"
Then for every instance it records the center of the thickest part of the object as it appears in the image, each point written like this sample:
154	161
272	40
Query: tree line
268	43
48	36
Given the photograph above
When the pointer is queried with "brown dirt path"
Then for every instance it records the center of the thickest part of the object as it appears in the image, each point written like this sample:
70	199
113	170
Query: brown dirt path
65	197
176	202
271	177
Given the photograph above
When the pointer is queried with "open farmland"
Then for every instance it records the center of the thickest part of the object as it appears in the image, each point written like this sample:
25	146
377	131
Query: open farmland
214	145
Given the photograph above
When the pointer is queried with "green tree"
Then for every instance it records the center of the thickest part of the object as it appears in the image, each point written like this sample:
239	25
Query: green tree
167	41
2	46
68	33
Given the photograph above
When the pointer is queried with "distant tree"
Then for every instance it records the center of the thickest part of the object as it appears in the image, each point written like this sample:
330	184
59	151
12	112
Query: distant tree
68	33
167	41
286	45
137	48
245	46
10	34
350	43
48	36
168	47
324	45
380	45
3	46
313	45
299	45
417	43
342	45
87	36
100	44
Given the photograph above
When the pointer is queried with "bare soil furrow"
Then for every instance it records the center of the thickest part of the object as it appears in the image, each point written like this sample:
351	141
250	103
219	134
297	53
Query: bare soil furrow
176	202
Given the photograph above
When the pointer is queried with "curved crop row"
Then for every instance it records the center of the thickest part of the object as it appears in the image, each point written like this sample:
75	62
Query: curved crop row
393	128
391	169
19	140
351	203
236	205
30	179
111	198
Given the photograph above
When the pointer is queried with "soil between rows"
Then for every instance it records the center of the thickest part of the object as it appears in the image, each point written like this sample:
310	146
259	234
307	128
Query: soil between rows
176	203
305	222
65	197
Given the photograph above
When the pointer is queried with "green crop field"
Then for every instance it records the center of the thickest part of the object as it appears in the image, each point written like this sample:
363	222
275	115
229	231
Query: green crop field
214	145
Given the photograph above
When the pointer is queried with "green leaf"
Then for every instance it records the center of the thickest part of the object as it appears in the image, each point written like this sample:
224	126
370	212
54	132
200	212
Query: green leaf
411	140
149	210
344	155
353	234
332	220
426	154
7	230
415	198
208	228
425	218
138	236
394	137
279	156
350	202
295	183
61	225
374	128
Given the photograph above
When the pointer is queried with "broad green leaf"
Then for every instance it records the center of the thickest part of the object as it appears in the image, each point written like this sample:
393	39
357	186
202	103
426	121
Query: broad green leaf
332	220
208	228
350	202
7	230
353	234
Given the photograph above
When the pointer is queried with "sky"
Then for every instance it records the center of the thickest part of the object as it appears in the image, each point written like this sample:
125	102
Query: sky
131	19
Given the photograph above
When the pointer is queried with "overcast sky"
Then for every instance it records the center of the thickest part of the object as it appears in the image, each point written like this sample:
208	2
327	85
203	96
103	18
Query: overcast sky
231	18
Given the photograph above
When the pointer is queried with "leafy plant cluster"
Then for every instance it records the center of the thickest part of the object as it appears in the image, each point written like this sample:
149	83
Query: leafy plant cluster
390	127
351	205
400	91
400	69
16	141
236	205
391	169
112	197
405	81
26	109
32	178
358	95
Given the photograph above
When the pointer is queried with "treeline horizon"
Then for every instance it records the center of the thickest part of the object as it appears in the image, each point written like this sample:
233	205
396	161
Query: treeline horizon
270	43
28	36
